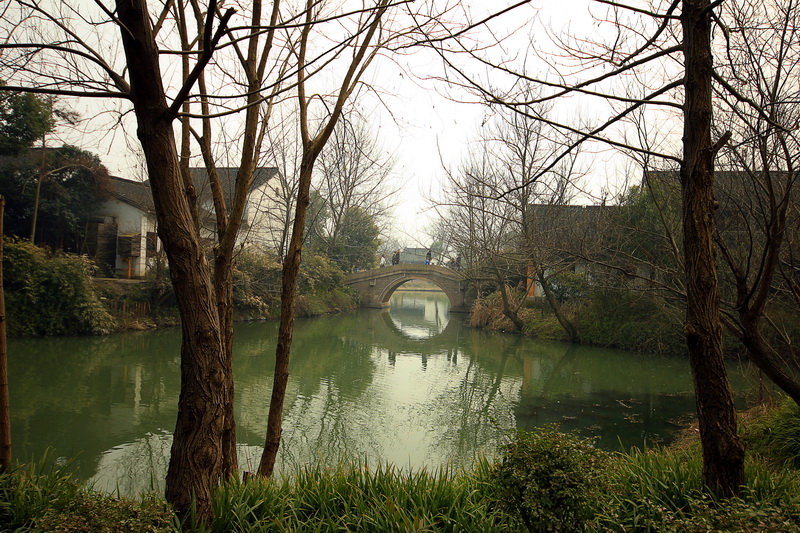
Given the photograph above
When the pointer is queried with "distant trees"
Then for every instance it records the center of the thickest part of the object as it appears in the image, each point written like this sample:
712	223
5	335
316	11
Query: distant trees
57	189
658	58
50	191
493	210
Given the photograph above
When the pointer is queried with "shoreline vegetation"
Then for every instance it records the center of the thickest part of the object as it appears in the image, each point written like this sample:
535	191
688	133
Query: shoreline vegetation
541	481
51	294
630	322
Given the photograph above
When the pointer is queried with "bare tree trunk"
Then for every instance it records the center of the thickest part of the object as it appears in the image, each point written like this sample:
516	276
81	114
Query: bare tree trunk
5	416
723	454
566	323
195	460
508	311
760	355
291	268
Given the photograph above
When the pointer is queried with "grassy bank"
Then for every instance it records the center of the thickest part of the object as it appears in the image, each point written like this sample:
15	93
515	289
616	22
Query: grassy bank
49	294
547	480
633	322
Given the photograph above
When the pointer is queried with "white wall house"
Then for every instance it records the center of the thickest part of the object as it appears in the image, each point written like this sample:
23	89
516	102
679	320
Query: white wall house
125	225
126	229
262	221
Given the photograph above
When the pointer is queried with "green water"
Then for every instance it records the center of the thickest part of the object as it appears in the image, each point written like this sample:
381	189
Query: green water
411	386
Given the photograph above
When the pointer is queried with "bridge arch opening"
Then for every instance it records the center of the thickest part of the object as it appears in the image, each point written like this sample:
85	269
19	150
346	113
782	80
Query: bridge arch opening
418	315
390	289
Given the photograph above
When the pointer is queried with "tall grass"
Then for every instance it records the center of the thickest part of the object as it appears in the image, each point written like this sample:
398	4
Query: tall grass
357	497
644	490
777	434
43	496
662	490
29	490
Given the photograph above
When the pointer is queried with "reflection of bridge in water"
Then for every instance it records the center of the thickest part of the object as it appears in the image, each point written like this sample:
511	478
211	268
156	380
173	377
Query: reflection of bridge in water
377	286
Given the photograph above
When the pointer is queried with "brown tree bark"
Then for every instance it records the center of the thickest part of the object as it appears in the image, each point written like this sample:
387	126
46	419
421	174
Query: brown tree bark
5	415
195	461
723	453
312	146
509	312
566	323
291	268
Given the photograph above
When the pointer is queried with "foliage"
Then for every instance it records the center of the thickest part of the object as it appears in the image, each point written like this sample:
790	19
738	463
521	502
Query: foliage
50	295
550	479
43	497
317	219
648	218
358	241
568	285
24	118
632	320
72	183
257	283
662	490
363	498
777	435
319	274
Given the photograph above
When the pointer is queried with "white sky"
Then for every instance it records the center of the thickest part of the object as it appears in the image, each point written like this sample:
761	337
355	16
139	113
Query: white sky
420	127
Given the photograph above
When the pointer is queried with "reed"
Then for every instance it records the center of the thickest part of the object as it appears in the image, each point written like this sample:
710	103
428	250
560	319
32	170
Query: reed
662	490
360	497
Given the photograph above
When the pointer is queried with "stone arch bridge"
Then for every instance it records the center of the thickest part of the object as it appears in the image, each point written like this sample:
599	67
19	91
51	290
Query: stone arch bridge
377	286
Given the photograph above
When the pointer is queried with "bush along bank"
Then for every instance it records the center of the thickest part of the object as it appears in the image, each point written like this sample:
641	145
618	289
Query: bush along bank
50	294
633	321
540	481
54	294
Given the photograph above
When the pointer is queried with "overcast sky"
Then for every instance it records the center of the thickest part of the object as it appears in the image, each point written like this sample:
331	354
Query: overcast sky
418	121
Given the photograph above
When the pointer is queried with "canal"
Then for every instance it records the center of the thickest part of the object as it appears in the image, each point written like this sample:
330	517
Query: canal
412	386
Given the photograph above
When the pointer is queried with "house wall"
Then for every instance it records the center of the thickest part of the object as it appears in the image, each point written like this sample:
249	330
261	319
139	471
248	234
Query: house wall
263	218
134	224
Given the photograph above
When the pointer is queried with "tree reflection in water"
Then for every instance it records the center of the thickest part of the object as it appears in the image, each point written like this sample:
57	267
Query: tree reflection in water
410	386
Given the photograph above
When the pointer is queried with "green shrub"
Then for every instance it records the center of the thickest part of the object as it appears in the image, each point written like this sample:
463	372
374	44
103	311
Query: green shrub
319	274
257	283
99	512
777	435
632	320
550	479
50	295
45	497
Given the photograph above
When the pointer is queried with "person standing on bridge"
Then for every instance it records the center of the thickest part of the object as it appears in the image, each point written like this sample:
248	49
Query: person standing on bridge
428	258
383	260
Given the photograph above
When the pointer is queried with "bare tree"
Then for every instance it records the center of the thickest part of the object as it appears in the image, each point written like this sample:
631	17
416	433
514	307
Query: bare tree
5	415
759	188
170	65
501	186
666	49
354	173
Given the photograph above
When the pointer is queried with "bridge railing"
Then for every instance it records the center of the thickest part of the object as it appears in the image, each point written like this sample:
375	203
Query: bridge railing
403	267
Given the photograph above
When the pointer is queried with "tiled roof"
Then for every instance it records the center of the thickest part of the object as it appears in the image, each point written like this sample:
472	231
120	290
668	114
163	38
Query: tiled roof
137	193
227	177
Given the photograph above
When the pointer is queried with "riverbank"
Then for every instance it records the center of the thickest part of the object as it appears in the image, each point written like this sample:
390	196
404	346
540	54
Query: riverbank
653	490
130	304
630	322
